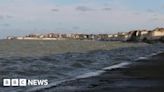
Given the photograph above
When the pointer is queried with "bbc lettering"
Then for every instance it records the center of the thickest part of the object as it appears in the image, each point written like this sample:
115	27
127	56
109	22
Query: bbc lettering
14	82
24	82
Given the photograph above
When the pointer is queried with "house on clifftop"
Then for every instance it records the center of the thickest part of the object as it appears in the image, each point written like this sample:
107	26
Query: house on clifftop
156	34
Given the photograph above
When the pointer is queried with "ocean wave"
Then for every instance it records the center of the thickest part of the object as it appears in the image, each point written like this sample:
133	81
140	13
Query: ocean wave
90	74
86	75
59	68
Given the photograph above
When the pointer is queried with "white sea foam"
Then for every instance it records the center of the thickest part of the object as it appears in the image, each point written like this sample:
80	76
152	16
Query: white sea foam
148	56
153	54
99	72
142	58
90	74
116	66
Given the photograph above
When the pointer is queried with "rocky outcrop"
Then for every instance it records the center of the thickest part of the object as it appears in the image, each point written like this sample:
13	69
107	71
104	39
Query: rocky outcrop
133	36
146	36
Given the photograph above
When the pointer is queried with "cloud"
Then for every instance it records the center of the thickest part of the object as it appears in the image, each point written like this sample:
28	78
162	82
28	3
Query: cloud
162	6
150	10
6	25
136	13
9	16
155	15
83	8
55	10
2	17
107	9
76	27
154	19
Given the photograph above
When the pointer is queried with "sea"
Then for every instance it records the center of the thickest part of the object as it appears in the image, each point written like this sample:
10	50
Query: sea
60	61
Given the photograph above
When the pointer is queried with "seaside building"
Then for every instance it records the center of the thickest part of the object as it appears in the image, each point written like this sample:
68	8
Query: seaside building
135	35
41	36
69	35
76	36
150	34
156	34
63	36
92	37
20	38
9	38
103	37
123	36
143	34
110	35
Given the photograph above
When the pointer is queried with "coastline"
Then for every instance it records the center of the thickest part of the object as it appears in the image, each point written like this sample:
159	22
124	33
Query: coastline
144	75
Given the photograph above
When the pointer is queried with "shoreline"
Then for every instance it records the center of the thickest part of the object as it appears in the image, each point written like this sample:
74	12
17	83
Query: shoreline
144	75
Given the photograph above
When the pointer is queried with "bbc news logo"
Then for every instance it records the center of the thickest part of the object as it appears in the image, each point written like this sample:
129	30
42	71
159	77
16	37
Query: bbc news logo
24	82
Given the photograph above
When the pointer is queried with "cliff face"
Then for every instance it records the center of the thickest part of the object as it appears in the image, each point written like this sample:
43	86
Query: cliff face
142	35
157	33
133	36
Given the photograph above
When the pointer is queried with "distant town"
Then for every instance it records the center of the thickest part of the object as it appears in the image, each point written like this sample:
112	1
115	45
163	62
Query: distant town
135	35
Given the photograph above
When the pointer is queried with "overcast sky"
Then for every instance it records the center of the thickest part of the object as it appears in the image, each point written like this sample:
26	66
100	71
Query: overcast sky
21	17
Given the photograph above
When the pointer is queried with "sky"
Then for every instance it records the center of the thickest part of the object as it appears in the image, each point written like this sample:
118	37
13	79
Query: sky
22	17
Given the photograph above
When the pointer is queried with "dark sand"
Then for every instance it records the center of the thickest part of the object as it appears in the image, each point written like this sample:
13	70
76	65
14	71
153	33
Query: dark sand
145	75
